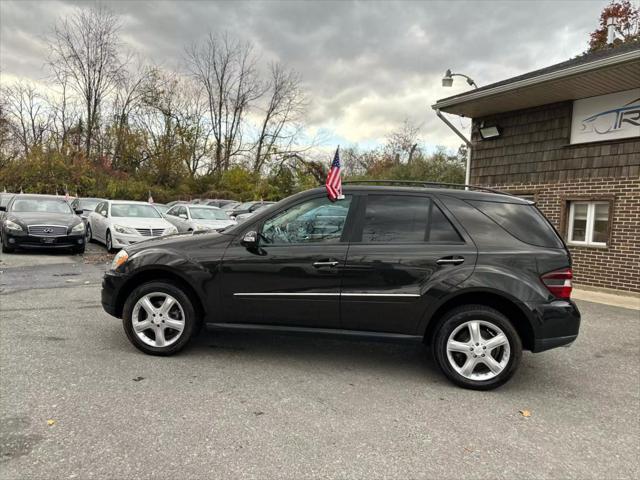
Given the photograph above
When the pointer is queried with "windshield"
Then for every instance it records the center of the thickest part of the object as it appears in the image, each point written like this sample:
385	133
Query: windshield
136	210
162	208
244	206
41	205
88	203
208	214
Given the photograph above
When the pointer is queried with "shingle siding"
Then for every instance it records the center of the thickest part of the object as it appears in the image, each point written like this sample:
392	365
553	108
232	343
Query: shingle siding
533	155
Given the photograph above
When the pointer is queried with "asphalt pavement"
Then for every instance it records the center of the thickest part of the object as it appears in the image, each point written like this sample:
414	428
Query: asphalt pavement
78	401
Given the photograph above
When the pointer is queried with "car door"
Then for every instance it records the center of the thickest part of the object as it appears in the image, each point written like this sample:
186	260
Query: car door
292	277
405	252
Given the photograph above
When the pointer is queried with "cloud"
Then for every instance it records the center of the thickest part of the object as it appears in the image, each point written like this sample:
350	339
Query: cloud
367	66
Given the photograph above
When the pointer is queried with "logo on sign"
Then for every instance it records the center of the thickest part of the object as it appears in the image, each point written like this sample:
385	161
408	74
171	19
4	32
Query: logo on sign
613	120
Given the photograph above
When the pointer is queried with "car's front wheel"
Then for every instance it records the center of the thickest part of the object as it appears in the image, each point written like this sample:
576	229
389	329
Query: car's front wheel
89	233
109	242
159	318
477	347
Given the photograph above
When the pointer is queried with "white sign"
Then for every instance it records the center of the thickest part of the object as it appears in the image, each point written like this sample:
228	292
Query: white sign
607	117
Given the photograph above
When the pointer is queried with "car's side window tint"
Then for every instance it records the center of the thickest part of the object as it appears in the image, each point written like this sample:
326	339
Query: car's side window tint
440	228
99	207
313	221
395	219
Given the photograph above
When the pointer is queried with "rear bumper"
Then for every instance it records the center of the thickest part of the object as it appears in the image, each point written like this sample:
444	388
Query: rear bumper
556	324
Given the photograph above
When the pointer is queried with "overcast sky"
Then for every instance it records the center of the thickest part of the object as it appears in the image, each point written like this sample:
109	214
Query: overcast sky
366	65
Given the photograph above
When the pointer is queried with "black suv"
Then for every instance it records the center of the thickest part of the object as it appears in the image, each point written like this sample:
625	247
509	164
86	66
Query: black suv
477	276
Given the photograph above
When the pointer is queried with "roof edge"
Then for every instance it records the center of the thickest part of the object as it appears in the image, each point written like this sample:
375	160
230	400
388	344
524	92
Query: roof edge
546	77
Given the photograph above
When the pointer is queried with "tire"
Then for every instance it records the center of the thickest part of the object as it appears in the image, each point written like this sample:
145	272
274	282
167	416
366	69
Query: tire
108	242
89	238
6	248
469	368
135	313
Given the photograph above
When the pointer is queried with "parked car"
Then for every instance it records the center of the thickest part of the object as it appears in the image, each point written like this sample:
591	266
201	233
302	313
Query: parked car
243	216
163	209
87	205
120	223
476	276
177	202
227	208
190	218
248	207
219	202
40	221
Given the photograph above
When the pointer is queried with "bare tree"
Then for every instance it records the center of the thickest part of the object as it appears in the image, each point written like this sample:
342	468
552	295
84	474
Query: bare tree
225	69
85	50
27	113
285	105
403	143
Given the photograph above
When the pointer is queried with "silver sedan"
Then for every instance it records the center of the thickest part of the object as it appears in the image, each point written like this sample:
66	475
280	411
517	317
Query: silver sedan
193	218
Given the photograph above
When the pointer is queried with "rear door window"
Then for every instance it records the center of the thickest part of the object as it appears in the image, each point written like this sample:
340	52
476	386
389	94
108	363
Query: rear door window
523	221
405	219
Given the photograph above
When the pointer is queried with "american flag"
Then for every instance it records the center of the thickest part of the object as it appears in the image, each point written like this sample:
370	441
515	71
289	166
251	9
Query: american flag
150	199
334	181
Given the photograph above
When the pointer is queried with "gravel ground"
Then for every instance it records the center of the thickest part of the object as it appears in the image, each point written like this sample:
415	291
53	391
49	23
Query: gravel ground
78	401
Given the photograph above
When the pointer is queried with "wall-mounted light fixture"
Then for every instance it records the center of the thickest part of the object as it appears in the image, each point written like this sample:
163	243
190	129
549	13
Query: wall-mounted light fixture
447	80
489	131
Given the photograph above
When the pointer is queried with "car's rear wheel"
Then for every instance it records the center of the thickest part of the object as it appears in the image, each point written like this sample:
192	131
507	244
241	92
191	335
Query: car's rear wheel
477	347
159	318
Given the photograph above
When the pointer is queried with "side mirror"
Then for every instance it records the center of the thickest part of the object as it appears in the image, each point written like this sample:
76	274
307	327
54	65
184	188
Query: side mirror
183	216
250	239
103	213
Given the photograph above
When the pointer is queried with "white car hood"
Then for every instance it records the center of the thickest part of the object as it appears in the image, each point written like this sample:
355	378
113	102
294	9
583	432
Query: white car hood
135	222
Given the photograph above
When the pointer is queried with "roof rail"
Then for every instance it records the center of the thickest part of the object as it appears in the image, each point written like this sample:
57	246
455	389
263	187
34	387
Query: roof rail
416	183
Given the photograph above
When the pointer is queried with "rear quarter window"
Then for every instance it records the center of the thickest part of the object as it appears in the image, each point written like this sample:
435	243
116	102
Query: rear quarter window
525	222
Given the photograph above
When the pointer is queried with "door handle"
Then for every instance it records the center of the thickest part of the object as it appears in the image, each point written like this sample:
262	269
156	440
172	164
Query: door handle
326	264
450	261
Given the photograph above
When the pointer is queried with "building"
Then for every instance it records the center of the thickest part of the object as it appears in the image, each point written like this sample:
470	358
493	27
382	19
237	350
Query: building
568	137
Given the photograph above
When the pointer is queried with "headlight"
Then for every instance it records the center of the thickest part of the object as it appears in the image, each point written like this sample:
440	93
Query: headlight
126	230
120	259
201	227
170	230
79	228
9	225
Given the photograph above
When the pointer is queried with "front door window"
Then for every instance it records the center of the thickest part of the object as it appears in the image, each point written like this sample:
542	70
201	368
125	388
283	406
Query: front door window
314	221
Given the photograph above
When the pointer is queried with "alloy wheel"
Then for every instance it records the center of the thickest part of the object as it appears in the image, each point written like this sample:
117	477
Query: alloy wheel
158	319
478	350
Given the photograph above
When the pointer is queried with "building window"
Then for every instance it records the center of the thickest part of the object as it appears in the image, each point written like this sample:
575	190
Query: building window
588	223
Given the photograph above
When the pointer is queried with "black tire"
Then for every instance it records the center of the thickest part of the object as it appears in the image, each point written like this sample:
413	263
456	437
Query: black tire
488	316
89	236
191	320
109	242
5	248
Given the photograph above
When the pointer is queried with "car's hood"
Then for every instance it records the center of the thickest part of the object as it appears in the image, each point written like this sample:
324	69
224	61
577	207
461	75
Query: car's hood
135	222
44	218
180	240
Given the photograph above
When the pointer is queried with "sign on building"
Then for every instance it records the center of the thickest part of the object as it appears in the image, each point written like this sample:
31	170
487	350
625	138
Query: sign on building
606	117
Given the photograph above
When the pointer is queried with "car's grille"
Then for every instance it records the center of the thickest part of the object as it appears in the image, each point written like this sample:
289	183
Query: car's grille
150	232
47	230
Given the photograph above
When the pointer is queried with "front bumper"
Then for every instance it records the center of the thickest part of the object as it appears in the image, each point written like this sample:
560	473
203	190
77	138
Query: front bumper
122	240
24	240
556	324
112	284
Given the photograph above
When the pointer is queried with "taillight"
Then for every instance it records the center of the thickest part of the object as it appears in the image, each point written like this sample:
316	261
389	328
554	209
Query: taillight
558	282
